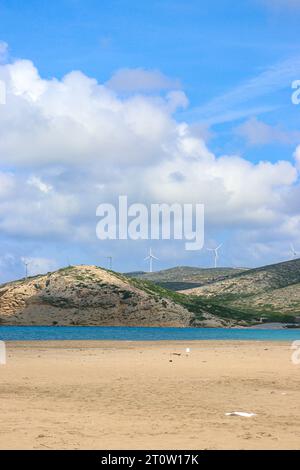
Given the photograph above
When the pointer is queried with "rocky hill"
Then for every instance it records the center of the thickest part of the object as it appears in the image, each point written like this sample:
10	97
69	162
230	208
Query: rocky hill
89	295
86	295
269	290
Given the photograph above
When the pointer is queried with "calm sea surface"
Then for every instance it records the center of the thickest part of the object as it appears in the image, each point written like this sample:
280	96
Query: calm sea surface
31	333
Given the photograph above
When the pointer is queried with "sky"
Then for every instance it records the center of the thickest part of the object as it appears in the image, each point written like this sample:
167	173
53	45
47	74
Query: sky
163	101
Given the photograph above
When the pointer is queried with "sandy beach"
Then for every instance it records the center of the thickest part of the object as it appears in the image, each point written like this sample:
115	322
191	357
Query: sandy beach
145	395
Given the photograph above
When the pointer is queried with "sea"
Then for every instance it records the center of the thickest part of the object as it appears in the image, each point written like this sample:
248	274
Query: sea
122	333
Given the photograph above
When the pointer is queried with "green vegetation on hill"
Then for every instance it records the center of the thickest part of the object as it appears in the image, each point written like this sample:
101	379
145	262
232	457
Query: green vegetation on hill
271	292
185	277
200	306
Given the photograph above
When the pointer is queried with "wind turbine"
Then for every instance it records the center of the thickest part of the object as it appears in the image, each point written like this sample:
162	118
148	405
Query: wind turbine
110	259
294	252
26	264
216	254
151	257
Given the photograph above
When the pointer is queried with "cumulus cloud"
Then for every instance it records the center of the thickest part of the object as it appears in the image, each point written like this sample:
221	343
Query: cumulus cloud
67	145
235	191
76	120
256	132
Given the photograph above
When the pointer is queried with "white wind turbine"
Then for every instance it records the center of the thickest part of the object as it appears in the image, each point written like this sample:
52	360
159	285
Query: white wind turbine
216	254
26	263
294	252
110	260
151	257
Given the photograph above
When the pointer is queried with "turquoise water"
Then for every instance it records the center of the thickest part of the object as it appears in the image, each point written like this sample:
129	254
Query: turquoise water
31	333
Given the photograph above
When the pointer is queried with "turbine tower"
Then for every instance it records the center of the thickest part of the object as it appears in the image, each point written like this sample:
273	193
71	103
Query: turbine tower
26	264
294	252
110	260
151	257
216	254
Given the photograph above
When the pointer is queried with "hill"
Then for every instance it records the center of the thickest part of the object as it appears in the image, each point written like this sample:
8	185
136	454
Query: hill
89	295
86	295
185	277
269	290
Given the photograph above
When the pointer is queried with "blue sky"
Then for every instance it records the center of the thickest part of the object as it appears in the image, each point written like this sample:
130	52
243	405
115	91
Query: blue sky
232	62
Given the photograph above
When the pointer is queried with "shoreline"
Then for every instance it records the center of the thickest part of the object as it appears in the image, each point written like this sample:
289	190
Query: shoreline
124	344
274	326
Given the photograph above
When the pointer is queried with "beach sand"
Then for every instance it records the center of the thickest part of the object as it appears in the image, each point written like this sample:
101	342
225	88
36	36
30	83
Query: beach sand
128	395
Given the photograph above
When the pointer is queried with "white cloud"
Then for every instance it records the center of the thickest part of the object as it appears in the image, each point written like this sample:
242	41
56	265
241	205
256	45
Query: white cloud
176	99
25	80
141	80
235	191
76	120
73	143
39	184
257	132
